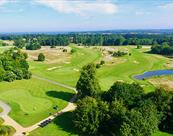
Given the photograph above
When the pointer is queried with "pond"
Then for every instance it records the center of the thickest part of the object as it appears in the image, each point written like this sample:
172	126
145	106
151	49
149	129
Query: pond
153	73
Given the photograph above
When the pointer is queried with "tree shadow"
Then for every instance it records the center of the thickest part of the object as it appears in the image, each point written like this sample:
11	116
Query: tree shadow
65	123
60	95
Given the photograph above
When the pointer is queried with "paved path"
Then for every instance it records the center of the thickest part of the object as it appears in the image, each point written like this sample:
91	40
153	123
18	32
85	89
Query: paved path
20	129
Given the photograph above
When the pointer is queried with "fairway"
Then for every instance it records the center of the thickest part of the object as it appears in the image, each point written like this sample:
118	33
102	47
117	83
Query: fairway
66	72
33	100
120	69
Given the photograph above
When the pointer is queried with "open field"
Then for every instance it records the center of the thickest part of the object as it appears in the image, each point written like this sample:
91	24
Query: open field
33	100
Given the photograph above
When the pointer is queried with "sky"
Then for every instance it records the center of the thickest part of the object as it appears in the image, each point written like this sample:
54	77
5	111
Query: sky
84	15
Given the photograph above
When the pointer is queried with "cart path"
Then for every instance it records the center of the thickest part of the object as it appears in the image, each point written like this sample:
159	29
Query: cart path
20	129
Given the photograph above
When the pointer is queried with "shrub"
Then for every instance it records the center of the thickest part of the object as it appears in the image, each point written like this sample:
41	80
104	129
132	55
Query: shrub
64	50
73	51
98	66
41	57
119	54
9	76
139	47
102	62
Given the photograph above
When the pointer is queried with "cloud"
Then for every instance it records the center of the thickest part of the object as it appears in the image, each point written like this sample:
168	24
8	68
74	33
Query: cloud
167	6
2	2
80	7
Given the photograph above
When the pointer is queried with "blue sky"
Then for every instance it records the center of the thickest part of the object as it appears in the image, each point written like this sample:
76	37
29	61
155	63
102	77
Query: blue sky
81	15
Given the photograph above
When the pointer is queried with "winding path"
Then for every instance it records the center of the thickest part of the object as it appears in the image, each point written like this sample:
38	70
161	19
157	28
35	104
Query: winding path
20	129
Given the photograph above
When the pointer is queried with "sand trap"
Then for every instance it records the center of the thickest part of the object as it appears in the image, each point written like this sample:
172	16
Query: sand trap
67	62
52	68
136	62
76	69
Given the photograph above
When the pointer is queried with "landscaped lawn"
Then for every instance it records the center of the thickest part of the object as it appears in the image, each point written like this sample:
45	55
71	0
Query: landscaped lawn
61	126
33	100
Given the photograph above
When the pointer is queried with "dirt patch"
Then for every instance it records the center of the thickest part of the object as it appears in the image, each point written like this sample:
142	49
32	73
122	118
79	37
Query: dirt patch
53	55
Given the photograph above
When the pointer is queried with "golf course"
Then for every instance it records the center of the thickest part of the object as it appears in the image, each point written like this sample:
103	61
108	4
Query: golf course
34	100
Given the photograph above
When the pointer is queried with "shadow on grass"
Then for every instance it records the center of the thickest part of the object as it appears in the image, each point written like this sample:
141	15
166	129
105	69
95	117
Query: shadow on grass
60	95
64	121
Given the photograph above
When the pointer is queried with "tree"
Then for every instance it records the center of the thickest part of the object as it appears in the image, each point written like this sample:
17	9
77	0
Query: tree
20	43
128	93
164	102
87	84
41	57
139	46
112	123
137	123
162	99
4	130
89	114
9	76
13	65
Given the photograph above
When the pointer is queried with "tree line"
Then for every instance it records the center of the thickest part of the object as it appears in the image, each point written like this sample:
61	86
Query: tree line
13	65
93	39
123	110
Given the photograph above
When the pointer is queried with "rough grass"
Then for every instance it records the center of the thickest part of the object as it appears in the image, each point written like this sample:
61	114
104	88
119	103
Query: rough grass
165	82
33	100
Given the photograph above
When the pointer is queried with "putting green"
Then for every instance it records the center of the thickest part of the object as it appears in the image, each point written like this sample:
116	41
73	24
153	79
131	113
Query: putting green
33	100
22	98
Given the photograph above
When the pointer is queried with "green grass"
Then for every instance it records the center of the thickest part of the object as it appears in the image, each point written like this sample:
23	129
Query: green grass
1	110
33	100
61	126
66	74
162	134
108	74
127	69
30	101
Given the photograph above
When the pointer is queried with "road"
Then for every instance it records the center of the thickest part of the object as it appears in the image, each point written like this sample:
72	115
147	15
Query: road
20	129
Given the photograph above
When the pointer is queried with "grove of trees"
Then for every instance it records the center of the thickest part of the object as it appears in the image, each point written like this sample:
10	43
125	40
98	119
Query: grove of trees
13	66
123	110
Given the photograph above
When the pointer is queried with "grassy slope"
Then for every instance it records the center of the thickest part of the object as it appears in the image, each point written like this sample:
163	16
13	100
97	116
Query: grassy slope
66	74
33	100
61	126
126	70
